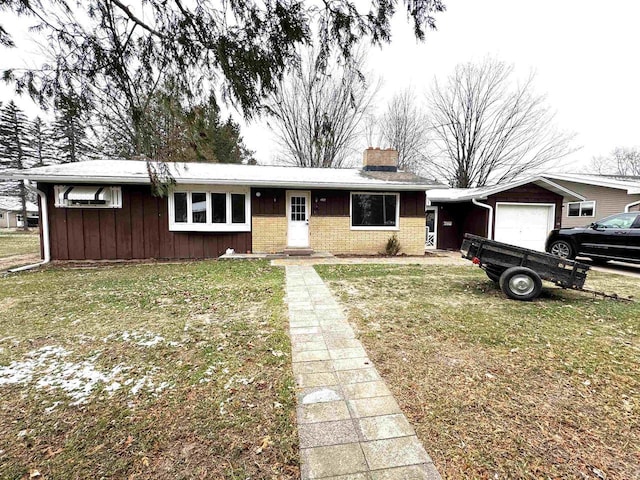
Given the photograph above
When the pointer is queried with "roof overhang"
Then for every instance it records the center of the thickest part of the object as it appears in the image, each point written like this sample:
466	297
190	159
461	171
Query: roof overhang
632	188
141	177
482	193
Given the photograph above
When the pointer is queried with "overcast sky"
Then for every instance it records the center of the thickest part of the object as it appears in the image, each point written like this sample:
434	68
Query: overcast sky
584	53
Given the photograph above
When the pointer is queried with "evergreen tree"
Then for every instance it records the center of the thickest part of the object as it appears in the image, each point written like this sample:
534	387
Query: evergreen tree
15	150
70	130
41	141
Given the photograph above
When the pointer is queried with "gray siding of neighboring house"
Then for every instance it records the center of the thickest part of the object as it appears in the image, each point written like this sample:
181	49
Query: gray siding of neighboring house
608	201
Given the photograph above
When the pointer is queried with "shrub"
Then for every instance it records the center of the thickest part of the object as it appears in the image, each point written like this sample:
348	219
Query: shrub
393	246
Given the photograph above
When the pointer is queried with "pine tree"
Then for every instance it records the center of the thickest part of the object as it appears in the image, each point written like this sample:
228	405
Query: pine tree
70	131
42	142
16	153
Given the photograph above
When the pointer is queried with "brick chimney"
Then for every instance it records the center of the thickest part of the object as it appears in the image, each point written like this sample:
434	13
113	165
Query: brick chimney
375	159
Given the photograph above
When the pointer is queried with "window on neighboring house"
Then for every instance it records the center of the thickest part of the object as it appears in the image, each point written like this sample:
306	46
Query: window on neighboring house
581	209
210	210
375	211
1	215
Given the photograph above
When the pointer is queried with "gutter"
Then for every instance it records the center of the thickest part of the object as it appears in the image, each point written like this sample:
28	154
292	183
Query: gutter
490	222
46	244
255	183
629	205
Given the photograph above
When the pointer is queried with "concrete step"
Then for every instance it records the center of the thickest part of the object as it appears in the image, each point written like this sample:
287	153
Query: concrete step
298	252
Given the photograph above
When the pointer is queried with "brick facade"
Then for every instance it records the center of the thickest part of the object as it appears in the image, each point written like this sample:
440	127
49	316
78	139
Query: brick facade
334	234
269	233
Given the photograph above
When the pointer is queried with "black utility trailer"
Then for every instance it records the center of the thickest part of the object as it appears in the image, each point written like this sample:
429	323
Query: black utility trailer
520	271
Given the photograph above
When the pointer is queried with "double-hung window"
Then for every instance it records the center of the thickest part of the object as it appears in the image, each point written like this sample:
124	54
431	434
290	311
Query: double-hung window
581	209
210	209
375	211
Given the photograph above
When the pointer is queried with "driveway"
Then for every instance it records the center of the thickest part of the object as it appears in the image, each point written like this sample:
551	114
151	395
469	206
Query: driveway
619	268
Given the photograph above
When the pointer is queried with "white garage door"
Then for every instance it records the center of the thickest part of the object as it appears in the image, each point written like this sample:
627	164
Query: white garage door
524	225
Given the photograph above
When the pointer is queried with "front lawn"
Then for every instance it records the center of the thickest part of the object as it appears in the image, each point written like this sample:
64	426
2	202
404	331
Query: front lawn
17	242
146	371
503	389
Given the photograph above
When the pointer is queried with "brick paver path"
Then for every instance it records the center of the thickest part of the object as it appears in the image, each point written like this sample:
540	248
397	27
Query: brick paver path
350	426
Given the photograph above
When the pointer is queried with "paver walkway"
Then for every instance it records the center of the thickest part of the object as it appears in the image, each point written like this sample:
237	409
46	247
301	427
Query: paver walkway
350	426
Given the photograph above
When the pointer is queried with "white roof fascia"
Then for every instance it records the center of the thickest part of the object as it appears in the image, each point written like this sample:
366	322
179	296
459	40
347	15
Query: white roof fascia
380	185
566	192
632	188
115	179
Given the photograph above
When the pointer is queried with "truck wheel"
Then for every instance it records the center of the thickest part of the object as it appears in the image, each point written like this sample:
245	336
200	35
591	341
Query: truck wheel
562	249
520	283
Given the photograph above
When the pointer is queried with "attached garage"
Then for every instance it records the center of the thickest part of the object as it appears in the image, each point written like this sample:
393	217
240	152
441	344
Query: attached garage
519	213
524	224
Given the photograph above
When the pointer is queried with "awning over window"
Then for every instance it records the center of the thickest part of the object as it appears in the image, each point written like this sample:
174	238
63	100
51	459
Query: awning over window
83	193
86	196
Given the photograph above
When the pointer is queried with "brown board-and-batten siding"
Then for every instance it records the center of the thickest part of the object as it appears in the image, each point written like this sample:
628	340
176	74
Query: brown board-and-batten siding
456	219
138	230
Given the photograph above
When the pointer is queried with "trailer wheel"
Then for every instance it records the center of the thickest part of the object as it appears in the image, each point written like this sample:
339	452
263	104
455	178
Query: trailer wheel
520	283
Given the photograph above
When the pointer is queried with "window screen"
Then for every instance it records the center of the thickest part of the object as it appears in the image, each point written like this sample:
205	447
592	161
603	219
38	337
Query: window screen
199	207
180	208
219	208
238	214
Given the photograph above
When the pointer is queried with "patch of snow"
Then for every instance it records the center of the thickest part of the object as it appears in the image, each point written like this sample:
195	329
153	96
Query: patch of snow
322	395
49	368
141	339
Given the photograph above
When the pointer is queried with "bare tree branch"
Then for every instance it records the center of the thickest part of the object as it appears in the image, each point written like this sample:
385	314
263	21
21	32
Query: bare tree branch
486	129
317	111
404	127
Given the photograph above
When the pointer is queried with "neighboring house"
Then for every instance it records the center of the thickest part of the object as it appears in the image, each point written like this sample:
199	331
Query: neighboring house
105	209
520	213
604	195
11	213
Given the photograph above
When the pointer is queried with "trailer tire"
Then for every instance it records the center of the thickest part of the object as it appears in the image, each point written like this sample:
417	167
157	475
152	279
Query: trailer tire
520	283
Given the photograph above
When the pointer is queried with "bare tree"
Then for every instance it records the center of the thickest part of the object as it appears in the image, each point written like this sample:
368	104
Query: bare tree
404	127
488	129
318	109
622	161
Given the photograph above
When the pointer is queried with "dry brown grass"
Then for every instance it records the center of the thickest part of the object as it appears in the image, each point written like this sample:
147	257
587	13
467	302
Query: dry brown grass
205	390
503	389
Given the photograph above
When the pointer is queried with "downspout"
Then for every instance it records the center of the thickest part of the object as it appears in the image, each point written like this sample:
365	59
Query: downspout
490	223
629	205
46	245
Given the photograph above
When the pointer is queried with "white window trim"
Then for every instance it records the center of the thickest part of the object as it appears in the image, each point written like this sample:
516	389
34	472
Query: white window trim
189	226
580	209
387	228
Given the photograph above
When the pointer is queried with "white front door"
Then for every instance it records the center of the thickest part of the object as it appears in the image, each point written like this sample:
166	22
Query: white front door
524	225
298	204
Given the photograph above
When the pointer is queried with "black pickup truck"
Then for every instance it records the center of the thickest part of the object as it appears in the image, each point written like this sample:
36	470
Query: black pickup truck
613	238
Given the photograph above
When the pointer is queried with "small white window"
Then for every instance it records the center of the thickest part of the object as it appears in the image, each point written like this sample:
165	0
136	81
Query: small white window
84	196
375	211
581	209
210	209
